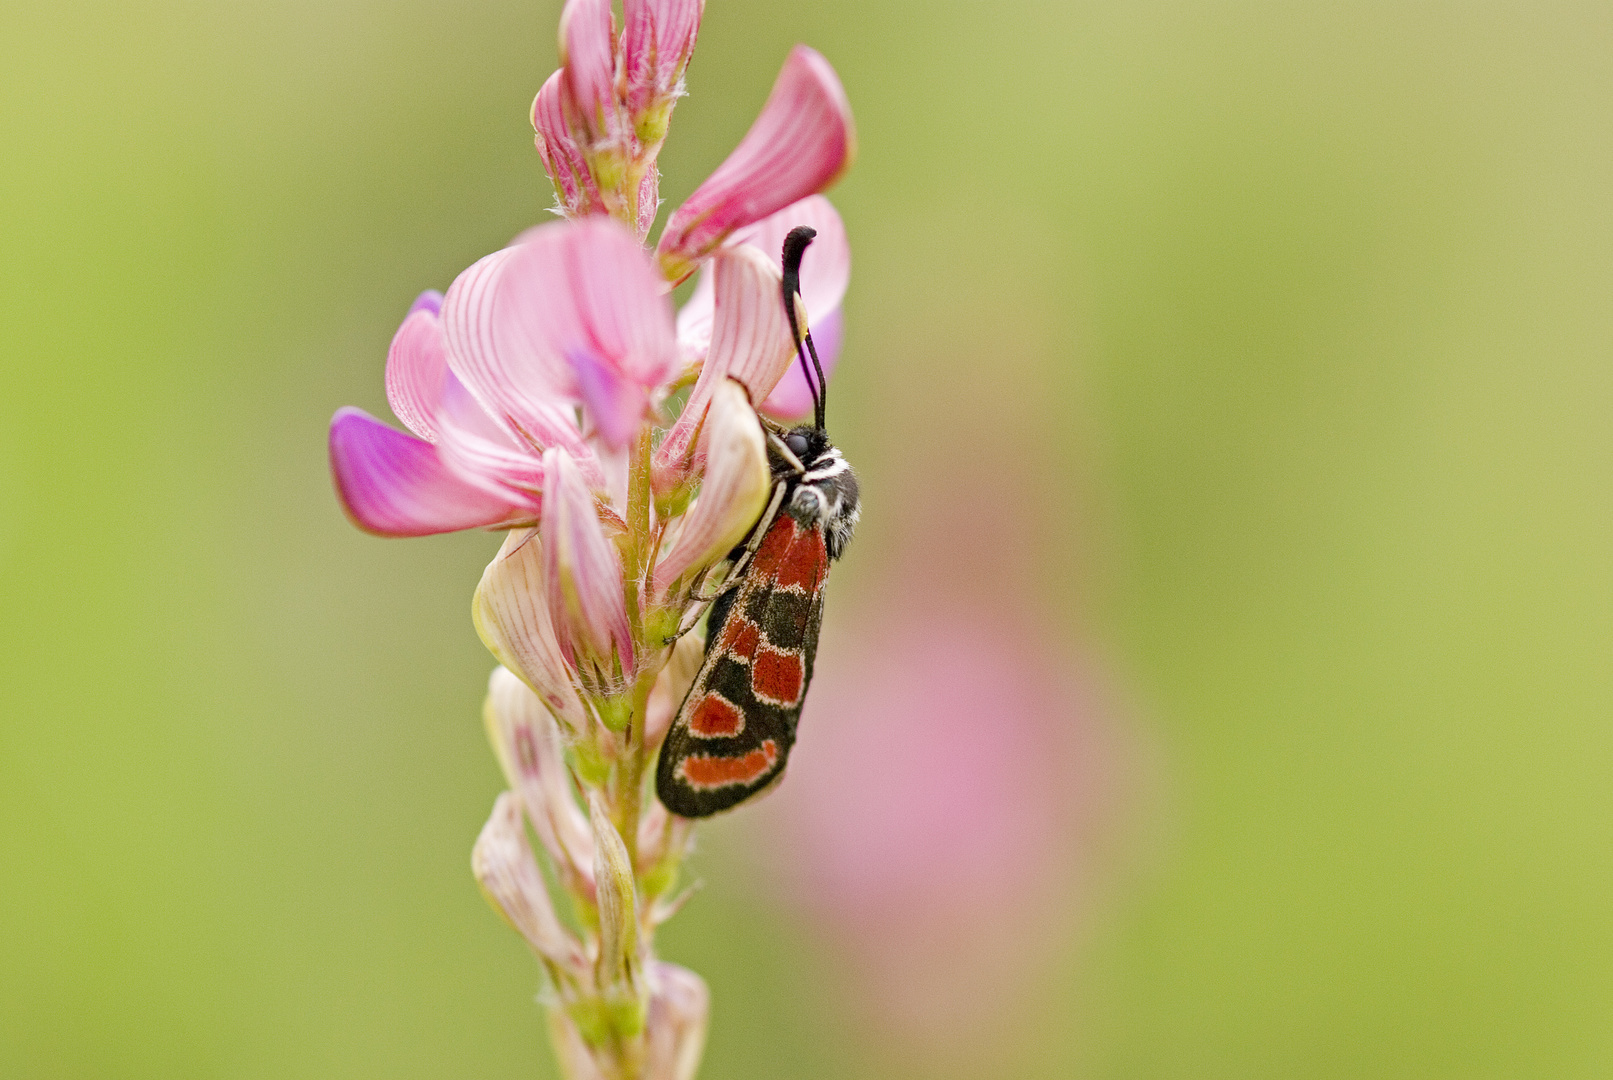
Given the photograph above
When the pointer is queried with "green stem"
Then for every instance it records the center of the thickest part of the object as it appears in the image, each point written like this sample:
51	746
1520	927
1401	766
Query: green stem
629	778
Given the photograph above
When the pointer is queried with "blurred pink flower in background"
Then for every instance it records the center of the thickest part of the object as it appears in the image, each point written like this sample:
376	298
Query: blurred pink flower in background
959	764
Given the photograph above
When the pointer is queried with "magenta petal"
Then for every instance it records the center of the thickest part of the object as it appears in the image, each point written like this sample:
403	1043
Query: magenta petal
825	271
394	484
791	399
430	300
800	143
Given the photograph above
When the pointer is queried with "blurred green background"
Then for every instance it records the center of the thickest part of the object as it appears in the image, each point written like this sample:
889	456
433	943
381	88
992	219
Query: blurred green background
1296	320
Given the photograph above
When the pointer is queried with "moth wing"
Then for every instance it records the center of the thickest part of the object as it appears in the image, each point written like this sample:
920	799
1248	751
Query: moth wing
733	733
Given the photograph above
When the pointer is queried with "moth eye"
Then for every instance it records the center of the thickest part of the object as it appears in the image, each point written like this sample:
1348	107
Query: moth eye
797	442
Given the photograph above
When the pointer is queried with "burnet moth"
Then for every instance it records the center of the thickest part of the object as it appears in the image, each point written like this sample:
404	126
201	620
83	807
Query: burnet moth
732	735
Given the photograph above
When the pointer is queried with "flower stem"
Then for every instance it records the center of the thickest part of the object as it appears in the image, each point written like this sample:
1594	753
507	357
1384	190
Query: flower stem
628	782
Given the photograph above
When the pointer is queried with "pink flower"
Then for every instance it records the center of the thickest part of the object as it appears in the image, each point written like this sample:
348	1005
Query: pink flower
532	393
576	314
460	470
605	113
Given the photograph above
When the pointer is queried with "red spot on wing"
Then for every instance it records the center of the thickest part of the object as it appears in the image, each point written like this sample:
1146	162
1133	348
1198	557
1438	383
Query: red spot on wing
705	771
778	677
740	637
775	546
716	718
804	564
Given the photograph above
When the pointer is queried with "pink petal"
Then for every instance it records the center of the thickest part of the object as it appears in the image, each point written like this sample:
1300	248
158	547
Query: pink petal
416	367
435	405
563	159
657	42
582	571
800	143
826	267
588	66
791	399
512	617
475	446
515	318
825	271
694	320
393	484
750	340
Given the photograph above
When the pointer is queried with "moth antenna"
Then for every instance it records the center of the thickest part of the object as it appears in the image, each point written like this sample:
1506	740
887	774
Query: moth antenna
795	245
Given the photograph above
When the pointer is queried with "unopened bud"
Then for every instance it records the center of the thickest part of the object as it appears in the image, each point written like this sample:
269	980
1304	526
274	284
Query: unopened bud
657	42
582	580
563	159
679	1005
514	620
616	900
509	876
528	745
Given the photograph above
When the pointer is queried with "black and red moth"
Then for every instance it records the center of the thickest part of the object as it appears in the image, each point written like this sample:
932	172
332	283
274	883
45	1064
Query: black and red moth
732	735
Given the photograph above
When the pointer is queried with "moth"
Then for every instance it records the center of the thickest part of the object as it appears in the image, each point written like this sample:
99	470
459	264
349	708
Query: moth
732	735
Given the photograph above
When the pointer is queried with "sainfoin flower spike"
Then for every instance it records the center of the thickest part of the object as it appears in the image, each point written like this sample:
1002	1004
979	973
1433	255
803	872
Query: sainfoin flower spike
623	450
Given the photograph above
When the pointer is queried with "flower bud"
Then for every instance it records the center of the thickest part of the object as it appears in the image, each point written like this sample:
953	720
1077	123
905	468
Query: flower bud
733	492
588	74
657	42
617	903
528	745
679	1004
509	876
582	580
563	159
513	617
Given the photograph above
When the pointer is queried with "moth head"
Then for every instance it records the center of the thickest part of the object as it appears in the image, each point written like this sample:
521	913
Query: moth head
807	443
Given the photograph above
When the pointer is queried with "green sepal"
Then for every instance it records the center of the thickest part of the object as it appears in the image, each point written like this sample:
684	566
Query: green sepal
591	766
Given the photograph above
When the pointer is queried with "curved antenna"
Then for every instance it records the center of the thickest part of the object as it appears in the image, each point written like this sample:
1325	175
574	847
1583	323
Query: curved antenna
795	245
